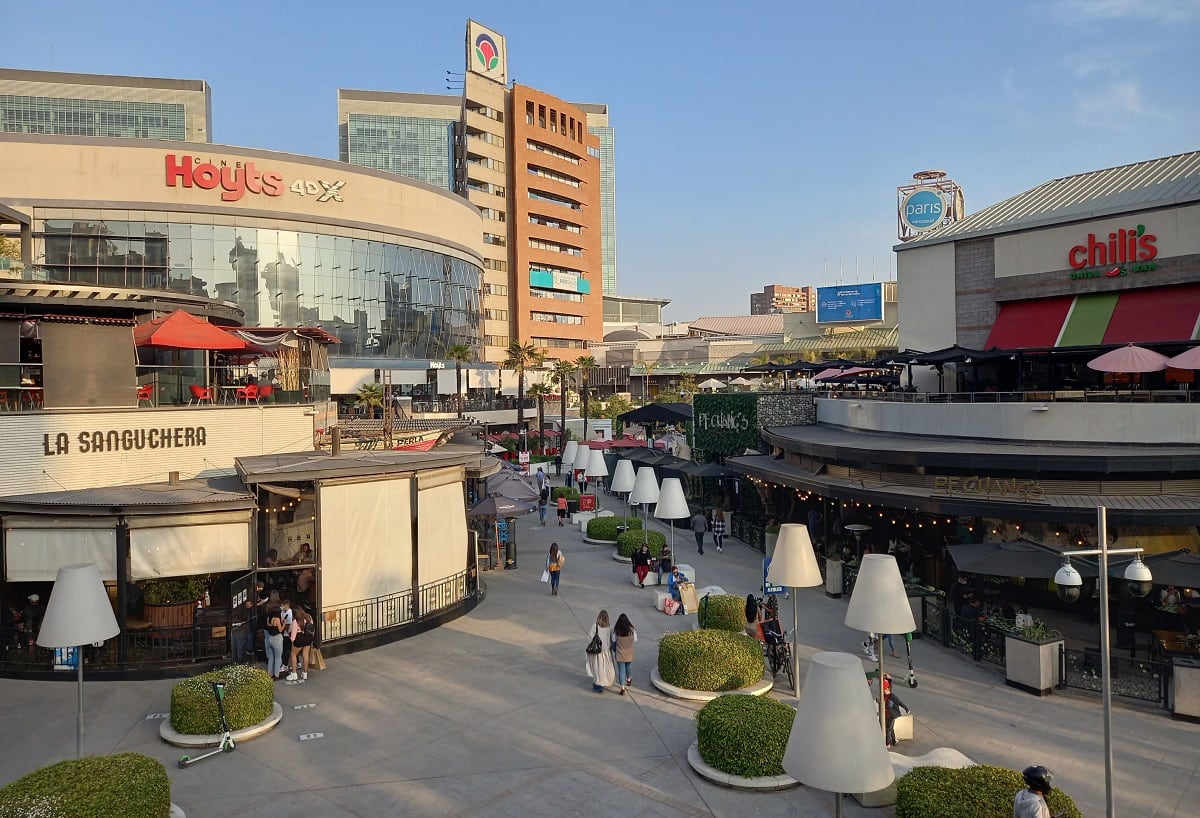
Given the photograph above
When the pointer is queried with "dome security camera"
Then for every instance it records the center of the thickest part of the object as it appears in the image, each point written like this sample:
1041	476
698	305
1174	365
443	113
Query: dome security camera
1138	579
1068	582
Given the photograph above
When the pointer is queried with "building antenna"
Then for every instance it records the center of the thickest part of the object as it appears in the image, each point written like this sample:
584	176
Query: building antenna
825	272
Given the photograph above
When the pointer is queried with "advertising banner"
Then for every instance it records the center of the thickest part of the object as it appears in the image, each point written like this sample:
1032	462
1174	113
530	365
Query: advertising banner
852	303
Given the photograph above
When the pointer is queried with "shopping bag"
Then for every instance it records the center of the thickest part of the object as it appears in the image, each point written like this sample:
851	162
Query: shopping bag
546	575
318	661
687	594
670	607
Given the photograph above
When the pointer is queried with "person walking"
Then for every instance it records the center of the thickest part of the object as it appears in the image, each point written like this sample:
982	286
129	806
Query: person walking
1031	801
641	564
555	561
543	501
600	665
699	528
562	508
624	636
273	641
718	529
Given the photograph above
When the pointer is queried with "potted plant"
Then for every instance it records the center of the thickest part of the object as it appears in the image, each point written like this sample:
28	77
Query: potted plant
170	602
1031	658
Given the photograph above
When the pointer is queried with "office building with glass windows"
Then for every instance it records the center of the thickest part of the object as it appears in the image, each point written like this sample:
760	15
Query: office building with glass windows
598	126
408	134
51	102
391	267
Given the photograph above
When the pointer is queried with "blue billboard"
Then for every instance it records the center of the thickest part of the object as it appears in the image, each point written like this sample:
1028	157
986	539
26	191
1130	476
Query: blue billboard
854	303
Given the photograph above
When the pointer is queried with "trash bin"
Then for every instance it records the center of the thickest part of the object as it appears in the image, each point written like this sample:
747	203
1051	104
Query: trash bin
833	578
1126	638
510	555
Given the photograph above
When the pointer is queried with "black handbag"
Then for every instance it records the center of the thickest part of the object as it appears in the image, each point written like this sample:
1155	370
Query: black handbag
595	646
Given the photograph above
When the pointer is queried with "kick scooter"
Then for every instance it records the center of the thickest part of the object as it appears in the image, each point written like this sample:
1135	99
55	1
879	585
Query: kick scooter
226	745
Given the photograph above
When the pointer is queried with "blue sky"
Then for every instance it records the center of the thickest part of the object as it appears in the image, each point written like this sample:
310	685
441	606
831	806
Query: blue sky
757	142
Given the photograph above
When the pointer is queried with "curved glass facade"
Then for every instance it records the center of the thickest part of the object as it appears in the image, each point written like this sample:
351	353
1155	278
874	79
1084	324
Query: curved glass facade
381	298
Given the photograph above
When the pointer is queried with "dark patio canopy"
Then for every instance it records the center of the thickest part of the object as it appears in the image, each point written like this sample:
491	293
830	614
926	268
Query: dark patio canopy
1020	558
694	469
1180	568
658	413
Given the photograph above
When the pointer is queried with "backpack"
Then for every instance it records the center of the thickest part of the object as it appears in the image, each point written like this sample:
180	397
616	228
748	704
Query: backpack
310	627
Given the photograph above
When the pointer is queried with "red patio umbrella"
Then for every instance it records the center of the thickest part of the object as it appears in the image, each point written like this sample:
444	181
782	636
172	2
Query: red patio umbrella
182	330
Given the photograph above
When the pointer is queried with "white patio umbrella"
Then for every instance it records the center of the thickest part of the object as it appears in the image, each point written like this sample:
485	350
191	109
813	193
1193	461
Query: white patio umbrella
711	383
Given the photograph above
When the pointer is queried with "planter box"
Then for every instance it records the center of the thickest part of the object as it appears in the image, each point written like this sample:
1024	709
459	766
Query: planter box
1032	666
833	578
176	616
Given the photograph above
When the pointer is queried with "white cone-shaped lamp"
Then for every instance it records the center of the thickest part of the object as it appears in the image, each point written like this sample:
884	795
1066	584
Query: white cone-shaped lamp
794	564
645	494
78	613
645	487
834	744
672	505
879	605
569	451
623	477
596	469
582	455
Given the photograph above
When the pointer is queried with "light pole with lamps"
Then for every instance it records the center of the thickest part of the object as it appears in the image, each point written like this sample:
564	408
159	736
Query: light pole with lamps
78	613
645	493
879	605
1068	581
597	468
794	564
623	481
672	505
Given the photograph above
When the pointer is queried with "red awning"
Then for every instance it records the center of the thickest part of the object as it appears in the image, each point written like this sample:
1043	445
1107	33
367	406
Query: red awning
1029	324
1155	314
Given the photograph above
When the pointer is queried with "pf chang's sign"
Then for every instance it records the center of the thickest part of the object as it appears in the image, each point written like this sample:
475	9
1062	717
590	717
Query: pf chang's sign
1120	253
238	178
730	421
100	441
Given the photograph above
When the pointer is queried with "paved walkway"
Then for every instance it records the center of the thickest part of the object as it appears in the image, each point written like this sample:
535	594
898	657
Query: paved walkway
492	715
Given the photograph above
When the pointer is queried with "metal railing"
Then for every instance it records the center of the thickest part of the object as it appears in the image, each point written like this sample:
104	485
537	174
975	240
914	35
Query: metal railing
383	613
1027	396
131	649
1141	679
983	641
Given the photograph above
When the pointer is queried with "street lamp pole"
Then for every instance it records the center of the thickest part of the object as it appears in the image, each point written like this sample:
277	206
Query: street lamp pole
1135	573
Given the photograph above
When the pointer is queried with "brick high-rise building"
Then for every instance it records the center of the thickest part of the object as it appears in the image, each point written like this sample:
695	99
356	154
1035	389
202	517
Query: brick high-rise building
781	298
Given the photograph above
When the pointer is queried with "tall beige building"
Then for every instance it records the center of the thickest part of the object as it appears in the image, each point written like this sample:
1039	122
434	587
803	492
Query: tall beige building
51	102
781	298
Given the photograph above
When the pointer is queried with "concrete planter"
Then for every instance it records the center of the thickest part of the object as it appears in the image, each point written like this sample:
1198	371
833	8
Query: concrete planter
833	578
1030	665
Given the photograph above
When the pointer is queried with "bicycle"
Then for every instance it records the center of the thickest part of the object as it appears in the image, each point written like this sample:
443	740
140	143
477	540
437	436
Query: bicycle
776	649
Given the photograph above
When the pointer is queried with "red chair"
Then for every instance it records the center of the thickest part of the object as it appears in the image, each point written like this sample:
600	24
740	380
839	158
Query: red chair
146	393
247	393
4	400
200	394
265	391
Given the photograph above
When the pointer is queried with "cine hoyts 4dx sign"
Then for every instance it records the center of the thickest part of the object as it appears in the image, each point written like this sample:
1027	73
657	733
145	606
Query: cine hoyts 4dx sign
237	179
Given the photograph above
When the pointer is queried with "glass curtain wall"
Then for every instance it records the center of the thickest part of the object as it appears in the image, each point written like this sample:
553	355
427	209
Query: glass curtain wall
381	299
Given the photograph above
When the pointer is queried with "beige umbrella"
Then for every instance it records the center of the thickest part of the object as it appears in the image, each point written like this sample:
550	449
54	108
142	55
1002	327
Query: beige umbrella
711	383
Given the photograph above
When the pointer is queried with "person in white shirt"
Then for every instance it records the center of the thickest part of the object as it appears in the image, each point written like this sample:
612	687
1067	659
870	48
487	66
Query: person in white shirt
1031	801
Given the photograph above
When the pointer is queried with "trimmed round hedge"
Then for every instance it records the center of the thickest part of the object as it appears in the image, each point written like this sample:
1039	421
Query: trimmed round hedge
723	612
249	699
981	791
710	660
605	528
631	541
563	491
744	735
127	784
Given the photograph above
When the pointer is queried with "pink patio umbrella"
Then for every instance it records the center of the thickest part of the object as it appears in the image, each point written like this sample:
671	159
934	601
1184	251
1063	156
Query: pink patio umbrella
1129	358
1189	359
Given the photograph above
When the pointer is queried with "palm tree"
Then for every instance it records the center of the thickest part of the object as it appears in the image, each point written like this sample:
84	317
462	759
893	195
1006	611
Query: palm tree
370	395
520	357
585	364
540	391
561	375
460	354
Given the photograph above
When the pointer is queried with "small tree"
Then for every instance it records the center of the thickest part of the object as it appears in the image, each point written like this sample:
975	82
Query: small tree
460	354
540	391
521	357
585	364
561	375
370	395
